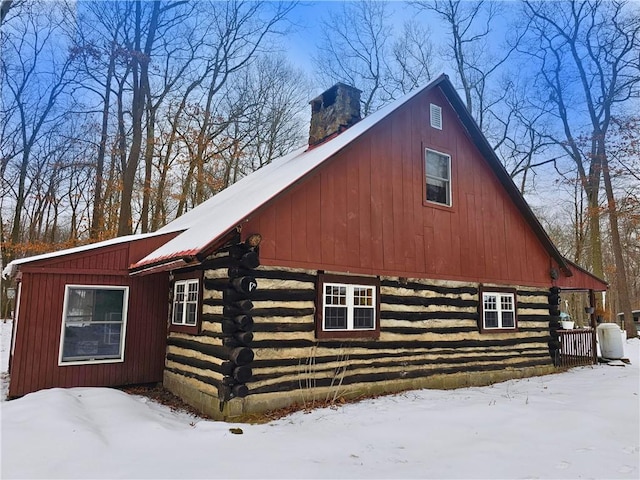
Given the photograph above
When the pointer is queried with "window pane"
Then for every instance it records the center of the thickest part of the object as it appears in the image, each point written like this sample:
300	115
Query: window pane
363	296
490	302
437	165
437	191
191	314
363	318
177	313
506	302
179	292
491	319
193	292
335	318
508	320
336	295
80	304
108	305
94	340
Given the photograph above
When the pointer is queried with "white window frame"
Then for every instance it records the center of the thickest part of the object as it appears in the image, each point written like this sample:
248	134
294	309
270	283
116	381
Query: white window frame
350	290
185	302
435	116
499	310
92	360
449	202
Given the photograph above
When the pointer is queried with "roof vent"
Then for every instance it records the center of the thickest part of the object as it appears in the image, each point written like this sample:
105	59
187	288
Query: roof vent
436	116
333	112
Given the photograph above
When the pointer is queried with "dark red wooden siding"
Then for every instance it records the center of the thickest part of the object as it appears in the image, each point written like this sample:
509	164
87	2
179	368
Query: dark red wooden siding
580	280
363	210
35	362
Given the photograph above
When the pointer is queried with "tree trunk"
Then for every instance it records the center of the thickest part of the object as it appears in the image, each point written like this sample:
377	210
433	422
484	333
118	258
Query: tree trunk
5	6
140	64
16	228
97	219
148	155
621	273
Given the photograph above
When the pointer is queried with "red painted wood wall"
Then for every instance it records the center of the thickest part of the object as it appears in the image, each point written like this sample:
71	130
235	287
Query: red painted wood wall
363	210
34	365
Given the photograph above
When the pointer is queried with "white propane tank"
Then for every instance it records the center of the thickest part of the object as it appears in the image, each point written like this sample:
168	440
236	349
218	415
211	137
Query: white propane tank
610	341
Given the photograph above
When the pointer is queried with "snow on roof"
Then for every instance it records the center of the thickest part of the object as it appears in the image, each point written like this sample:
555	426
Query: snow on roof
10	270
218	215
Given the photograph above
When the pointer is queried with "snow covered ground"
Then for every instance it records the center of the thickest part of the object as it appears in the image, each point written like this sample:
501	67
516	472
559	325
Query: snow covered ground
579	424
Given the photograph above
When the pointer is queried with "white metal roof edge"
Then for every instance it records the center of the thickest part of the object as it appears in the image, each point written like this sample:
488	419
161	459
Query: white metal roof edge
10	270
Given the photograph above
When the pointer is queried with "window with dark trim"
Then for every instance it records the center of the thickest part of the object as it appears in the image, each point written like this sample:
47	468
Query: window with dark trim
437	168
498	309
348	307
186	302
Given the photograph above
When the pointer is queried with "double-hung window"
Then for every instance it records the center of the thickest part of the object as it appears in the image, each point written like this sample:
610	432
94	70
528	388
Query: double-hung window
93	324
498	311
185	302
438	177
348	307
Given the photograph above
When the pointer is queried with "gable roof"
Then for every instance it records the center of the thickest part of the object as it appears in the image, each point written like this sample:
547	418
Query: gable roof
211	220
10	270
208	224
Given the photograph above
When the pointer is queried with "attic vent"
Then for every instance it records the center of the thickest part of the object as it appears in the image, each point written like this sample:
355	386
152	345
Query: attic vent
436	116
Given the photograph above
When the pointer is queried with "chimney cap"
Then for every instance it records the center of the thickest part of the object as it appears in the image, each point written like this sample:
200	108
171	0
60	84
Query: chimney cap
335	87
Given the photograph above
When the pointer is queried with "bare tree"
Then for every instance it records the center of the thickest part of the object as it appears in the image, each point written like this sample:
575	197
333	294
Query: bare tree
240	31
10	5
278	97
471	49
522	137
34	93
588	54
139	47
414	60
358	47
98	55
481	40
624	167
354	50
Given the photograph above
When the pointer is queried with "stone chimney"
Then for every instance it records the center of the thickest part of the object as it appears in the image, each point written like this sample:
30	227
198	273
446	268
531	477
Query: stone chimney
333	112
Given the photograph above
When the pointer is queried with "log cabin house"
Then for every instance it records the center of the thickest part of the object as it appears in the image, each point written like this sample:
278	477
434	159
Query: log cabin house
390	253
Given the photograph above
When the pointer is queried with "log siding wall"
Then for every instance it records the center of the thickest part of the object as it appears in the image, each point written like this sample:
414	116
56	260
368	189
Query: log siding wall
429	330
197	362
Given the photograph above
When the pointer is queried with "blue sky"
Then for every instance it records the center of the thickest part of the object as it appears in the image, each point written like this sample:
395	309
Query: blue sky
303	42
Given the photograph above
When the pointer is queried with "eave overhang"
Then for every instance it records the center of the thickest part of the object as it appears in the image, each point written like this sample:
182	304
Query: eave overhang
489	154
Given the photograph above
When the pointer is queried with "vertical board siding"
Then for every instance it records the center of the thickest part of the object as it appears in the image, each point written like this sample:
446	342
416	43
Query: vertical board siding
427	328
35	363
365	210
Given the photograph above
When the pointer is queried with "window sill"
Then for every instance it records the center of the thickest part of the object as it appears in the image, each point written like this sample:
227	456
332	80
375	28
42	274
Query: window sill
351	334
499	330
439	206
190	329
88	361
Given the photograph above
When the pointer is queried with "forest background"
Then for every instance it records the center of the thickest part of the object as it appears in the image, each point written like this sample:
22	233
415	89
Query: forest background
119	116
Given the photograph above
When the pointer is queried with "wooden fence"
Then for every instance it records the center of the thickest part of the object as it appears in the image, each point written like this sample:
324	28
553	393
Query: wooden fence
577	347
